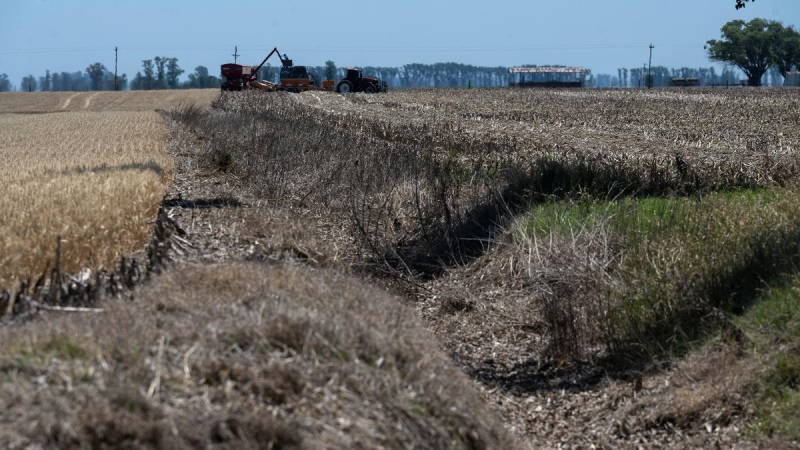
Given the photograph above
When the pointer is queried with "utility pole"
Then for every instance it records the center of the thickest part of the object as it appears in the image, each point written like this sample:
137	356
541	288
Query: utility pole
116	88
235	53
649	65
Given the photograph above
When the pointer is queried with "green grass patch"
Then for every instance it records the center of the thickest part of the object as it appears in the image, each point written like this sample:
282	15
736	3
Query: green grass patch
773	325
64	347
626	216
677	258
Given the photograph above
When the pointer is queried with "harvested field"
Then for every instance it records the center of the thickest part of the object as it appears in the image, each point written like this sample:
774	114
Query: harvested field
582	256
440	198
650	141
49	102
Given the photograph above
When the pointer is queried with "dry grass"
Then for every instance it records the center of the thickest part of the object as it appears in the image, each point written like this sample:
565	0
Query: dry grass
425	176
48	102
621	140
240	356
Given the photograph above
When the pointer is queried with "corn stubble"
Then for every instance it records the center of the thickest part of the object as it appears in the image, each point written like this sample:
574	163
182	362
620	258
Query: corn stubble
95	179
432	178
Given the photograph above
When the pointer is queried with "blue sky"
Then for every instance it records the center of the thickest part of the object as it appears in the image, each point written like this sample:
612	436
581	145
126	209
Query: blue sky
603	35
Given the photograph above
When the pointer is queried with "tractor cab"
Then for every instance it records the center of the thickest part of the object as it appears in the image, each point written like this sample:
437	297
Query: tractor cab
354	75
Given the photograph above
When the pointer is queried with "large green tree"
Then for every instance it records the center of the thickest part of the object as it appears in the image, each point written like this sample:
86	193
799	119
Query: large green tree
787	50
173	72
28	84
161	73
201	79
148	81
96	73
330	70
748	45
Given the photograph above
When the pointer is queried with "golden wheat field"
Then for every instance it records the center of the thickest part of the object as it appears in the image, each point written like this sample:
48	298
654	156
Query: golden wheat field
93	177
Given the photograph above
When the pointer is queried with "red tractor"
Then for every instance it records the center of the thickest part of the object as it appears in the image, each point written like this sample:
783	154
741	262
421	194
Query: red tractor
354	81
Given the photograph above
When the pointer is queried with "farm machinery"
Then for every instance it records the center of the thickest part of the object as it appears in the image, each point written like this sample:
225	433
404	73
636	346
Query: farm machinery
355	81
295	79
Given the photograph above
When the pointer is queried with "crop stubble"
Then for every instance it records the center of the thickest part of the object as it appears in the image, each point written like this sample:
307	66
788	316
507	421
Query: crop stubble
49	102
711	138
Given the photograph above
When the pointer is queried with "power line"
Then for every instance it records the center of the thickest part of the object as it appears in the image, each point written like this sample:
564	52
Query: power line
359	49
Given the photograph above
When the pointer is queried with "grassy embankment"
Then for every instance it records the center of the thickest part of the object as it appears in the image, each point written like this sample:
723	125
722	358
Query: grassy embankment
240	356
704	212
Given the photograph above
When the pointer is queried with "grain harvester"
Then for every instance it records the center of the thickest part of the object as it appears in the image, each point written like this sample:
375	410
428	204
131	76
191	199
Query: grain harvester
293	78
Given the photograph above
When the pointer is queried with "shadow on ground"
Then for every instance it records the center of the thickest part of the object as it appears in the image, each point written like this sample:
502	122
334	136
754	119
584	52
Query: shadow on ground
202	203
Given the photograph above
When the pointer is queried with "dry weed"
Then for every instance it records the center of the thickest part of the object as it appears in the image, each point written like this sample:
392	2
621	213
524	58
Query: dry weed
243	356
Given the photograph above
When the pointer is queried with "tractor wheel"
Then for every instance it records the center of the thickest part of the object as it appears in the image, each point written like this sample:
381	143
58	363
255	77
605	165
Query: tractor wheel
369	89
344	87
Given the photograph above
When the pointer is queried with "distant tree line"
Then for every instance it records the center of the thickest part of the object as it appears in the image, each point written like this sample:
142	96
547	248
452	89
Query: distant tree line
158	73
95	78
414	75
163	72
164	75
661	76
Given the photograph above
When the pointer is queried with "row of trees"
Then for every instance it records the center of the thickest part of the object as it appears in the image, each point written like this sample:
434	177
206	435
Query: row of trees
415	75
163	72
661	76
95	78
757	46
411	75
159	73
